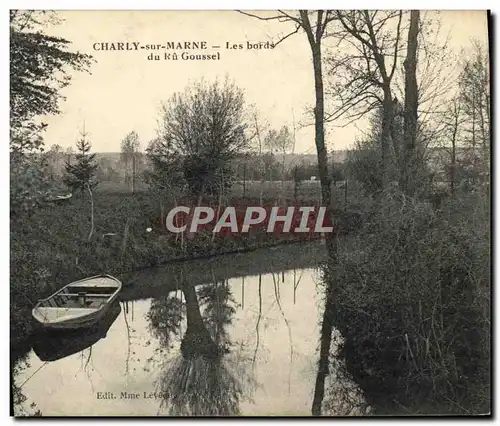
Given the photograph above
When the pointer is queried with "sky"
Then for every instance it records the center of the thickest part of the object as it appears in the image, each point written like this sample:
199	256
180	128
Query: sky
125	90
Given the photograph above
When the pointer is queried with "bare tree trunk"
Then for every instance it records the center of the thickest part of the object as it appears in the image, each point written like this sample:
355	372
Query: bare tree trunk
484	136
324	355
314	35
197	340
387	127
91	213
331	241
474	162
133	173
411	105
261	160
454	155
319	117
244	179
125	175
282	191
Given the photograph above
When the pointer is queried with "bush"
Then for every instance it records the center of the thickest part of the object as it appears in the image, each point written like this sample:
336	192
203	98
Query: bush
413	306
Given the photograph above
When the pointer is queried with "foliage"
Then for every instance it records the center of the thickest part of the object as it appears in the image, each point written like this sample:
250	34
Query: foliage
130	155
29	183
279	141
39	67
81	175
165	176
360	69
164	319
413	305
338	172
475	107
203	128
364	162
38	70
21	406
219	311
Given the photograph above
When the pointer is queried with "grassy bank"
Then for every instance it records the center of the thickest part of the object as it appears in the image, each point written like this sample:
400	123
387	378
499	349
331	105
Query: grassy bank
52	246
303	190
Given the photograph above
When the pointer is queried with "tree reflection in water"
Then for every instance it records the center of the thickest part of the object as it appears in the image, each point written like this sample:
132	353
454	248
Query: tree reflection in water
335	393
20	405
209	375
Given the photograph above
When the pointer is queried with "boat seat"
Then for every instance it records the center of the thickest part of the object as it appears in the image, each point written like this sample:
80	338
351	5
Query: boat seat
64	297
52	303
104	296
55	302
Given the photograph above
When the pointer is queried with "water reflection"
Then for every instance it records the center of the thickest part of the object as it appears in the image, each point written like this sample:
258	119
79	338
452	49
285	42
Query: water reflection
51	346
207	376
238	346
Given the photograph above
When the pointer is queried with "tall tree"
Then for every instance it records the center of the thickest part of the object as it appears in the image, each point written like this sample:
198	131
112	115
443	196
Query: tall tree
363	70
69	154
475	100
54	155
453	121
411	107
259	127
315	33
281	142
39	66
204	129
81	175
129	155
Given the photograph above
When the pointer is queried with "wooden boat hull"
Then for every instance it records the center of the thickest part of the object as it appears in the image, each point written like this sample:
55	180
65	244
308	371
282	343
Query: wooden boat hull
77	323
60	198
52	345
79	304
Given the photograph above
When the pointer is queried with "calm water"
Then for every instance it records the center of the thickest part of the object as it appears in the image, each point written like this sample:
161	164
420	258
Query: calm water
239	346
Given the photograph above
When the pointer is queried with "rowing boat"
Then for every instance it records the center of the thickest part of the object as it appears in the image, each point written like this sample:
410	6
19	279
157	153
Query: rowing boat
79	304
57	198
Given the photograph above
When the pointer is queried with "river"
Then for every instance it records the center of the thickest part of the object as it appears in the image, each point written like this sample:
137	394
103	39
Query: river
201	338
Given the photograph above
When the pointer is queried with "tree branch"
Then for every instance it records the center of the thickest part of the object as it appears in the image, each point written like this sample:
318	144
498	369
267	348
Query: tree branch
280	18
396	46
288	35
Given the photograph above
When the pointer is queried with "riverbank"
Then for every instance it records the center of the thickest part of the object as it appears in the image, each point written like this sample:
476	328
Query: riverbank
60	243
413	306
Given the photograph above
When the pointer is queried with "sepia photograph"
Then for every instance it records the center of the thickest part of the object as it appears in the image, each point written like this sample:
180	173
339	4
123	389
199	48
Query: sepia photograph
250	213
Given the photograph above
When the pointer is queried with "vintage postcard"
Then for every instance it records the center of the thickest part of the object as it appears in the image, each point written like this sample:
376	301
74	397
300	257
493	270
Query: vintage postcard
250	213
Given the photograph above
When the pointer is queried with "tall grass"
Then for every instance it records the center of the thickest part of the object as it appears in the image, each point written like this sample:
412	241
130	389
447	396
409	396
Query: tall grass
412	302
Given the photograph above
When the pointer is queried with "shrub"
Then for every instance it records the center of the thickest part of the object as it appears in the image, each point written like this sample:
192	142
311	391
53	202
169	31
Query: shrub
413	305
